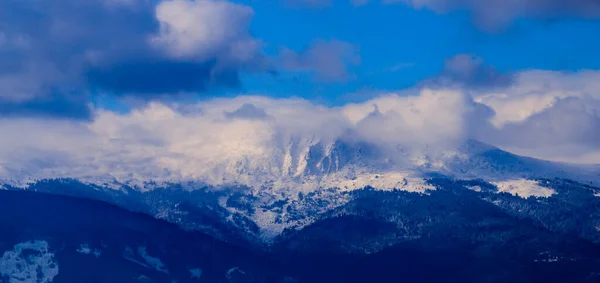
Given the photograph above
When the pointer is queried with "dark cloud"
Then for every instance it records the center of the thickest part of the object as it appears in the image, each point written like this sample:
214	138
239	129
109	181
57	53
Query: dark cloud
53	106
155	78
492	15
470	71
50	49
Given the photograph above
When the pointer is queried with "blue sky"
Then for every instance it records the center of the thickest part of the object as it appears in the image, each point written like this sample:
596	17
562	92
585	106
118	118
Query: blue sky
401	46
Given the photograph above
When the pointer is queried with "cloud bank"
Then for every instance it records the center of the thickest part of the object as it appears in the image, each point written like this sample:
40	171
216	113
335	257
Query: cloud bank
550	115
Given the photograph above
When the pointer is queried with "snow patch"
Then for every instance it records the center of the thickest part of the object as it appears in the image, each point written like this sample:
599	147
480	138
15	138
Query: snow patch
524	188
144	259
274	214
475	188
86	250
195	273
267	221
384	181
154	262
547	257
231	271
29	262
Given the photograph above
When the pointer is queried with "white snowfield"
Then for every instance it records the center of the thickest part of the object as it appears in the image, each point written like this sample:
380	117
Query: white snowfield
29	262
524	188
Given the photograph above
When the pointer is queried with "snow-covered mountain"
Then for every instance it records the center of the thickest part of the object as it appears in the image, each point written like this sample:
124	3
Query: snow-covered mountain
307	164
292	185
338	205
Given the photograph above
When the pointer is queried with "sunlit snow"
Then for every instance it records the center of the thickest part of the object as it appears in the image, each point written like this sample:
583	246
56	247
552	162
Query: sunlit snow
524	188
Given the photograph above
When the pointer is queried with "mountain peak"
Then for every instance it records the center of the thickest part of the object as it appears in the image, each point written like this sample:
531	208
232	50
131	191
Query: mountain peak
306	164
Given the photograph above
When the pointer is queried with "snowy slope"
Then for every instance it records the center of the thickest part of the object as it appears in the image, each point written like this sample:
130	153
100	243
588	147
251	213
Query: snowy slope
277	182
305	165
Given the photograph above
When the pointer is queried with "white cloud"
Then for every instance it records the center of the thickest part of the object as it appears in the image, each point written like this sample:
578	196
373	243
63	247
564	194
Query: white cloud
535	91
259	139
430	117
201	28
546	114
159	142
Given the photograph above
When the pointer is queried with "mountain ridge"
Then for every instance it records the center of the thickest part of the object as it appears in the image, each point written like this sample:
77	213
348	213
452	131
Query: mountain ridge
332	176
334	164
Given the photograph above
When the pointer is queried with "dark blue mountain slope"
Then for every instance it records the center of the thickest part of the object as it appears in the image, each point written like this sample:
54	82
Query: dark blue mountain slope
452	234
92	241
